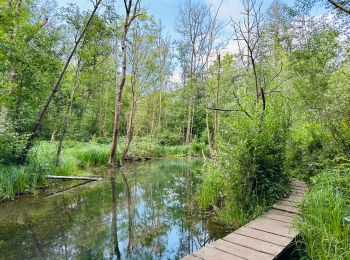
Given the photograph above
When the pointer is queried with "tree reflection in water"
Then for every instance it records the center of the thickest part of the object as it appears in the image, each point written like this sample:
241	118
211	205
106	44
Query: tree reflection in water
114	238
146	210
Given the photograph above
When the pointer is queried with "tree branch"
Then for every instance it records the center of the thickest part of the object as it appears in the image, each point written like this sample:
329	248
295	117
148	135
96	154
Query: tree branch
340	6
223	110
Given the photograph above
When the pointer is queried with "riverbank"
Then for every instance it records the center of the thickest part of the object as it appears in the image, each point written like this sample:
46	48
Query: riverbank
76	159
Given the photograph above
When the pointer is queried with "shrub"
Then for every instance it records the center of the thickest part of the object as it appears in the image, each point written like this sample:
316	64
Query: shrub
308	150
10	144
249	167
198	148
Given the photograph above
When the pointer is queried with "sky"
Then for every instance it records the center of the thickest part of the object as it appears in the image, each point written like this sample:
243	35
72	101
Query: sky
166	10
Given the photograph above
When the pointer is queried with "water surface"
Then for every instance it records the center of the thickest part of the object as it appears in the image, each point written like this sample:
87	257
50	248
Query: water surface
147	211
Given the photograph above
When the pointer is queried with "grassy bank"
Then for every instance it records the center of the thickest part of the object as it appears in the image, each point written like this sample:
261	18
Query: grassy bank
76	159
325	216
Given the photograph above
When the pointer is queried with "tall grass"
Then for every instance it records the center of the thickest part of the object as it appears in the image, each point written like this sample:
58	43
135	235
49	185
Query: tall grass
325	216
75	157
20	179
88	154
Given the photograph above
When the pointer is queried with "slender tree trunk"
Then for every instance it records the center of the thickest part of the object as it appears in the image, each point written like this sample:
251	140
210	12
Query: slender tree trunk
119	90
208	129
189	119
130	130
53	135
216	114
161	82
154	119
190	102
160	111
68	113
101	115
55	89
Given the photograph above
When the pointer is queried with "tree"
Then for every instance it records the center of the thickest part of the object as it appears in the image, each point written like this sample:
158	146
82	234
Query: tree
141	58
198	26
55	89
249	32
131	13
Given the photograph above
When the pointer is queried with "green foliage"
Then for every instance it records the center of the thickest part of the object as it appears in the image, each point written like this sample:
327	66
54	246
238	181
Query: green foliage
307	151
249	175
199	148
304	131
168	138
325	215
10	144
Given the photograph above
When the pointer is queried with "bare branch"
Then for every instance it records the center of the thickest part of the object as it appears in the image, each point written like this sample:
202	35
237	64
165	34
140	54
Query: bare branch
340	6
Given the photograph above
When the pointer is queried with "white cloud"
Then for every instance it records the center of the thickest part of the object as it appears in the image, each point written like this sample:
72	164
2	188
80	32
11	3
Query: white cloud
229	8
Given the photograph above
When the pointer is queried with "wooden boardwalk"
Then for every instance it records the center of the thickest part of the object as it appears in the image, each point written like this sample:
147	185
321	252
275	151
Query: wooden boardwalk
264	238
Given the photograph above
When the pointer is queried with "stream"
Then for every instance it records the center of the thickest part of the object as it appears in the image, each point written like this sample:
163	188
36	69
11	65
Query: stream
145	211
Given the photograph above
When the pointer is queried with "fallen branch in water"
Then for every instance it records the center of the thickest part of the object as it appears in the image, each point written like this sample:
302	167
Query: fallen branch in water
53	194
73	178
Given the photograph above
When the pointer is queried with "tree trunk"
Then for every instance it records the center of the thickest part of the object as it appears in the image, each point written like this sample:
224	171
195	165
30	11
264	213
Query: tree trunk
119	95
160	111
216	123
130	130
37	125
68	113
189	120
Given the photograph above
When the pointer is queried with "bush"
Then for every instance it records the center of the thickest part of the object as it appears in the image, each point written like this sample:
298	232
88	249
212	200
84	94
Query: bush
249	167
308	150
169	138
10	144
198	148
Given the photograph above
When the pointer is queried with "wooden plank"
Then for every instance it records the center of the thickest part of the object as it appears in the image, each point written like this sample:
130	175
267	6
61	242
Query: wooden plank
274	227
265	236
298	188
294	199
298	183
81	178
240	251
288	203
191	257
210	253
253	243
285	208
297	193
278	217
284	213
